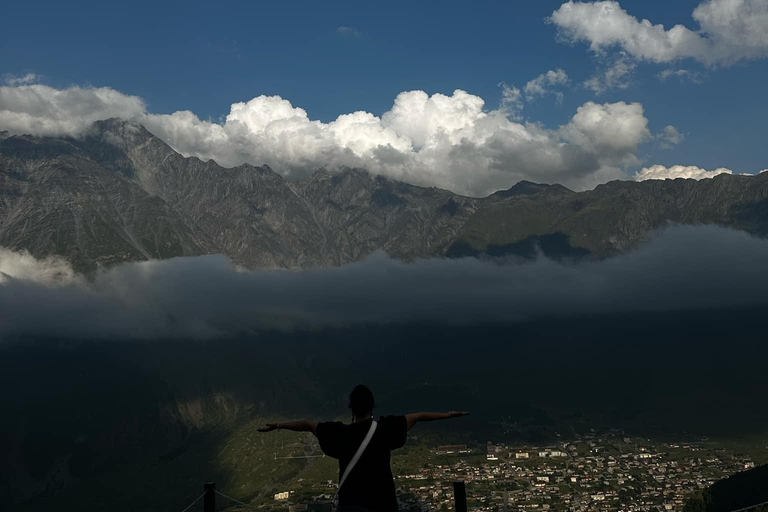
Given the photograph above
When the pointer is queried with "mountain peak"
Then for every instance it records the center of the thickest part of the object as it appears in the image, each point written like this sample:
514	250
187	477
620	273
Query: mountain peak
116	129
527	188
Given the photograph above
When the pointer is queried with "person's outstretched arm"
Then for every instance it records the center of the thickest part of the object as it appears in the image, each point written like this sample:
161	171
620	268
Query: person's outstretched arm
296	426
416	417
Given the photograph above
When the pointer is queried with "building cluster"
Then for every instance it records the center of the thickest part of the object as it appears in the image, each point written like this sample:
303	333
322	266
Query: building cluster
448	449
593	473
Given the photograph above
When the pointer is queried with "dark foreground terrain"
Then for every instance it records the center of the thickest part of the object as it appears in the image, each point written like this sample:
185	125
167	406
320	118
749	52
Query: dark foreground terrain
139	426
738	491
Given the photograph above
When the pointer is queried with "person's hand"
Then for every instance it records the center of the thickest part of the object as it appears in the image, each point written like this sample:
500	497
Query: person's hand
456	414
269	427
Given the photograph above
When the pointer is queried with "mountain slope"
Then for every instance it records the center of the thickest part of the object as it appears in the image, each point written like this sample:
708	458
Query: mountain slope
119	193
618	216
54	199
360	213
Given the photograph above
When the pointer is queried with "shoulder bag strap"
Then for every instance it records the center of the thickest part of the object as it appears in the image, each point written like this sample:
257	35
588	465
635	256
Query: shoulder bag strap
357	455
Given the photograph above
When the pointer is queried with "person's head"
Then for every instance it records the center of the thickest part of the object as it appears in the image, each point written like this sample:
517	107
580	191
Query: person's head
361	401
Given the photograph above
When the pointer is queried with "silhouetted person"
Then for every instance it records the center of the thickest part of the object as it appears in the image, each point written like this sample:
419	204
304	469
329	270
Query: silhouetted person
369	485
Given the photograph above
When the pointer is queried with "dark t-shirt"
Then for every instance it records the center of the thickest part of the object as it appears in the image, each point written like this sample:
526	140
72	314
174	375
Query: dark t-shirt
370	483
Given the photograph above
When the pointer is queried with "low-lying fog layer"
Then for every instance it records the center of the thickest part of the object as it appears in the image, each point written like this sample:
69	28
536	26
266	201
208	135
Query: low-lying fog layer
681	268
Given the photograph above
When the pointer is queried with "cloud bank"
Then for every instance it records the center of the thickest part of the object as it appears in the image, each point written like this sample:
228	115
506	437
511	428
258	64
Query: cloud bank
450	142
447	141
48	271
42	110
730	31
660	172
682	268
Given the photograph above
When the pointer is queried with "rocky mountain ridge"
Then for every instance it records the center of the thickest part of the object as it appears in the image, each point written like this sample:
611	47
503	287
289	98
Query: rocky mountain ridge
118	193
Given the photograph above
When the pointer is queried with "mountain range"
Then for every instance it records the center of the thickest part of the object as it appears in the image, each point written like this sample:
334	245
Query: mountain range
118	193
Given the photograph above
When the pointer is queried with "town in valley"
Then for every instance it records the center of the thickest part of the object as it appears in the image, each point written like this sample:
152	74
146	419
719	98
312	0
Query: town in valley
593	472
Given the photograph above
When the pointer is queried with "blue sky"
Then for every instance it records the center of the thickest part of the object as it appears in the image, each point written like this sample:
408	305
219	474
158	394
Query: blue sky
205	56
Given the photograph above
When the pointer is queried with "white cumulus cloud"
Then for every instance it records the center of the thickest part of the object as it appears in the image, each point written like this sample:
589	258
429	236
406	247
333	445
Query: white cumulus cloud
617	76
612	130
730	31
544	83
448	141
511	104
451	141
43	110
671	136
680	74
25	79
345	31
660	172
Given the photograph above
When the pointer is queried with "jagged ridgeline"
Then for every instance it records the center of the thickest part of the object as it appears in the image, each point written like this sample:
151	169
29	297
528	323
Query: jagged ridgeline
118	193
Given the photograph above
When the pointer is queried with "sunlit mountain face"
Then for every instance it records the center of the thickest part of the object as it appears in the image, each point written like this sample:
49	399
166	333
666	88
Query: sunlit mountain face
552	215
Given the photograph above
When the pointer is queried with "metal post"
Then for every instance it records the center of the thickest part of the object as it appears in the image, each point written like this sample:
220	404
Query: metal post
460	496
209	500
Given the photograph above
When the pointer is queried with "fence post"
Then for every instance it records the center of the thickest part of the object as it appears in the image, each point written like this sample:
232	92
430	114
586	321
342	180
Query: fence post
460	496
209	500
